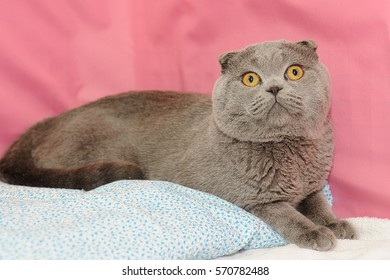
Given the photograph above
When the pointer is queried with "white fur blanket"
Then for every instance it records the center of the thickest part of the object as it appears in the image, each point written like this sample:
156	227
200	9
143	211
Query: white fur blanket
373	243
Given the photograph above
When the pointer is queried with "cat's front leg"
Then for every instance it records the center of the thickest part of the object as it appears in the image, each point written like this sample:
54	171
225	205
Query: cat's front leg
317	209
295	227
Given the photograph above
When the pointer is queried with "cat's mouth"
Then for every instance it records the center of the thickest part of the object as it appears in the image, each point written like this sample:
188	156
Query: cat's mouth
267	110
274	113
278	116
276	108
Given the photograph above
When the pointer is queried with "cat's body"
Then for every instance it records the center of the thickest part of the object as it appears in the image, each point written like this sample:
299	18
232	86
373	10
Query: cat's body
266	146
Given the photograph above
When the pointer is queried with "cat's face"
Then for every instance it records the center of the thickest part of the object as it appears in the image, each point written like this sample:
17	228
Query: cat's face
272	90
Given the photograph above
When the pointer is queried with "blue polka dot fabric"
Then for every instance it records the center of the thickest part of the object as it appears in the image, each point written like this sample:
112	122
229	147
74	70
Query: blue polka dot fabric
125	220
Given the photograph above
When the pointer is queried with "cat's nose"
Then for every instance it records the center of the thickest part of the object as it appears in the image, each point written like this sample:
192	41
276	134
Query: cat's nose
274	90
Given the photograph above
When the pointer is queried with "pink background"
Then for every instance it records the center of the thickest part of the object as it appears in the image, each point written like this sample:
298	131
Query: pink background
55	55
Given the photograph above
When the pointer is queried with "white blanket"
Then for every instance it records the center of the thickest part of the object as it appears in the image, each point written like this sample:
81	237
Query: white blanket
373	243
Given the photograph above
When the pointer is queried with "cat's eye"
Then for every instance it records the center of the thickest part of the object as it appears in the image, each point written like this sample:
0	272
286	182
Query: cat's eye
294	72
251	79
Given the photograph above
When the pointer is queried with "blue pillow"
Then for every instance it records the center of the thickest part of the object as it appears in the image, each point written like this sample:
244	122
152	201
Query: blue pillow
125	220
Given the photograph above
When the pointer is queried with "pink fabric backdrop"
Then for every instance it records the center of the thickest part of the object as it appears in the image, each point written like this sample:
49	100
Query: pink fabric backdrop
55	55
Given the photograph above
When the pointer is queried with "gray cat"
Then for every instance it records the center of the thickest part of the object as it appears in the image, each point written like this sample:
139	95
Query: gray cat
263	141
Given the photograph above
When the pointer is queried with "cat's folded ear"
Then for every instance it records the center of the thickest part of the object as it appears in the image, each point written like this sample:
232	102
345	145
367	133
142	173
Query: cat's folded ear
307	48
308	44
225	60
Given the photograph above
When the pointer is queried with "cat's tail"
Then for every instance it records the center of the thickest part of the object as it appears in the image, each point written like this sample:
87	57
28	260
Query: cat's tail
17	167
2	177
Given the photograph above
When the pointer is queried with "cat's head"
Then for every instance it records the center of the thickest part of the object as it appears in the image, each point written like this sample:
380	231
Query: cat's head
271	90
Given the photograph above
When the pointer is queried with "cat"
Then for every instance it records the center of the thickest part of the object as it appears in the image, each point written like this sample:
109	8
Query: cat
262	141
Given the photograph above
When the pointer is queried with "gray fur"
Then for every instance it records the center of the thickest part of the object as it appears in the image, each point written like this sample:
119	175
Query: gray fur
270	158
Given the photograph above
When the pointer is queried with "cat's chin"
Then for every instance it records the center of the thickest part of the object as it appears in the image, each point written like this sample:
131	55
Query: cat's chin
278	116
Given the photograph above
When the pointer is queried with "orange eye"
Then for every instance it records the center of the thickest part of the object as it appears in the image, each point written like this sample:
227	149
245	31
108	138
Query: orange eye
251	79
294	72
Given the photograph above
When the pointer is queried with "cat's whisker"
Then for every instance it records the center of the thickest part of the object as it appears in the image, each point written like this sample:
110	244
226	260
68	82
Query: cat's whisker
260	107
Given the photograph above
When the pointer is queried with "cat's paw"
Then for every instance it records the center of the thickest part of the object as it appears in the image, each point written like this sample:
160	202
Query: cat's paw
319	238
343	230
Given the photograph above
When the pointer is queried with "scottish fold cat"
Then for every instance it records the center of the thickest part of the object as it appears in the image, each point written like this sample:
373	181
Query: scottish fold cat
262	141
